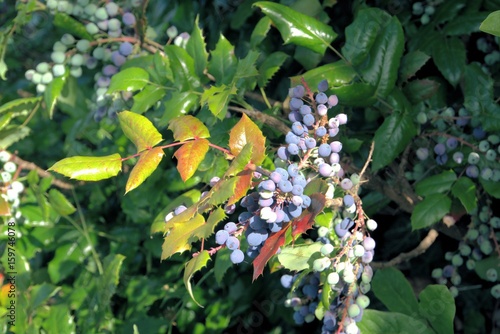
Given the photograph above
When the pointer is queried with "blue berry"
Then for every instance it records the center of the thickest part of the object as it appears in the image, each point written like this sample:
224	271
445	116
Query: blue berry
322	110
232	242
230	227
282	153
305	109
323	85
298	128
321	131
292	138
310	142
336	146
298	91
440	149
324	150
221	237
325	169
296	103
285	186
293	170
309	119
321	98
293	149
237	256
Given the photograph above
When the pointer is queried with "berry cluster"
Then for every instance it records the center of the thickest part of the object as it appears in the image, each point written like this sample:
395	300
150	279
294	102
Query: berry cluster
11	188
425	11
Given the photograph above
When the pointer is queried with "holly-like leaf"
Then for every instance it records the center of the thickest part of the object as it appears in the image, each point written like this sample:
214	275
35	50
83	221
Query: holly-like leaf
4	207
222	191
465	190
435	184
20	105
246	131
139	130
270	66
306	220
196	48
179	103
449	55
217	99
13	134
148	161
298	28
147	98
194	265
430	210
243	183
239	163
491	188
183	68
271	246
222	264
52	93
437	305
222	64
296	258
188	127
89	168
189	156
392	288
60	203
180	237
260	31
491	24
129	80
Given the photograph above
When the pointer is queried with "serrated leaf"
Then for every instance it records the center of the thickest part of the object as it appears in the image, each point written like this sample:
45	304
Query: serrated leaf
217	99
270	66
465	24
260	31
180	236
296	257
271	246
129	80
421	90
179	103
188	199
147	98
411	63
378	322
89	168
196	48
162	72
243	184
189	156
72	26
183	68
59	320
13	134
20	105
246	66
437	305
107	283
449	55
222	191
298	28
242	159
194	265
430	211
391	138
188	127
139	130
440	183
491	24
147	164
246	131
482	266
392	288
52	93
222	64
60	203
465	190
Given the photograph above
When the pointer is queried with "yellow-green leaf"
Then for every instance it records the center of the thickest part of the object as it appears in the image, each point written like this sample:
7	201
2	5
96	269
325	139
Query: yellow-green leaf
246	131
180	237
189	157
146	165
188	127
89	168
194	265
139	130
217	99
60	203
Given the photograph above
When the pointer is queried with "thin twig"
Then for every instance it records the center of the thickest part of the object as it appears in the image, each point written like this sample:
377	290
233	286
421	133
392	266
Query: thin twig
368	160
264	118
420	249
23	164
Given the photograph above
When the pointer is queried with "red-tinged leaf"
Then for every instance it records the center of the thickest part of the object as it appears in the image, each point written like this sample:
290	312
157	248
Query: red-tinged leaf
246	131
194	265
188	127
146	165
139	130
306	221
189	157
180	237
271	246
243	183
89	168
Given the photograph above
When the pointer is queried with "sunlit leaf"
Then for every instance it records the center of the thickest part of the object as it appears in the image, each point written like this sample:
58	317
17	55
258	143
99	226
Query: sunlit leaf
194	265
60	203
246	131
147	164
89	168
129	80
189	156
188	127
217	98
139	130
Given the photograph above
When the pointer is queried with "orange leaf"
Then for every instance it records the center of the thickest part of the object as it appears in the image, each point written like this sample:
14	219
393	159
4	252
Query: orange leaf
189	157
242	185
4	207
188	127
271	246
146	165
246	131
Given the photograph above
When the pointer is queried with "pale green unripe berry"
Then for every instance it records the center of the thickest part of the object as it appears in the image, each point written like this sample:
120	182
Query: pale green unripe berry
326	249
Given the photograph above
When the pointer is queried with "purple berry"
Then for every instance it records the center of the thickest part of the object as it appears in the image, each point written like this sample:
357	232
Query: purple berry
320	131
440	149
126	48
324	150
342	118
336	146
128	19
333	100
322	109
282	153
309	119
296	103
321	98
310	142
298	91
323	86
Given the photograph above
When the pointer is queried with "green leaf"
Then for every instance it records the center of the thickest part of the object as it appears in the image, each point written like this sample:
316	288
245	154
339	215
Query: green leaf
106	285
183	68
448	10
59	320
449	56
297	257
490	187
194	265
139	130
378	322
246	131
411	63
189	156
491	24
197	49
260	31
222	191
483	265
298	28
89	168
391	138
222	264
12	135
41	293
465	190
60	203
72	26
180	237
147	164
162	72
129	80
179	103
240	162
188	127
66	258
222	63
421	90
270	66
430	210
391	287
246	72
20	105
188	198
440	183
217	99
437	305
52	93
147	98
465	24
